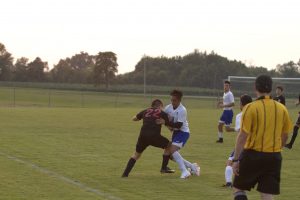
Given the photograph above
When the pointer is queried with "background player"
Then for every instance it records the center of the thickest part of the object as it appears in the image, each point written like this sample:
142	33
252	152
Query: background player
279	95
226	104
150	133
244	100
296	128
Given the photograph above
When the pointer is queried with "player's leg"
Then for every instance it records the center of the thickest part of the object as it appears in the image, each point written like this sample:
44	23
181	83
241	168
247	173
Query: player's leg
162	142
179	160
229	171
195	169
239	194
140	147
295	133
265	196
220	127
179	138
165	161
228	120
130	164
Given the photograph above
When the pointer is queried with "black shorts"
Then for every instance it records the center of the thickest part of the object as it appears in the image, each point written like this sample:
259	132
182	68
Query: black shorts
153	140
259	168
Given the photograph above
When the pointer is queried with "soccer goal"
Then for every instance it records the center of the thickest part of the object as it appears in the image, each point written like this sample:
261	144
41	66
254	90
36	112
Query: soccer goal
245	84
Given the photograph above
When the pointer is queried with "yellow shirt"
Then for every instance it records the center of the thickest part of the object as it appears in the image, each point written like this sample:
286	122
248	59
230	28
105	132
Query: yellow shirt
265	120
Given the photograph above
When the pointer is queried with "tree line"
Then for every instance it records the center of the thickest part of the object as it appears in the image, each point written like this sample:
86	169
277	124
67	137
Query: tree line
196	69
80	68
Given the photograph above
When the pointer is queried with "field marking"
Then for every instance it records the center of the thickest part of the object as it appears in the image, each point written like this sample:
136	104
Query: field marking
62	178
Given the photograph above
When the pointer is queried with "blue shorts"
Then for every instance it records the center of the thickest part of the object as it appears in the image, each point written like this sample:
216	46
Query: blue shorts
179	138
226	117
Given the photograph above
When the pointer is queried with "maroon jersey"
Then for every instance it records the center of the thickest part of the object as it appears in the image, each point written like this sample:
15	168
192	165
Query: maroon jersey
149	117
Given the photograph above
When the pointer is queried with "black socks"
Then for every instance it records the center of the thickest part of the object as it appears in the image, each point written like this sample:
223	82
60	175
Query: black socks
129	167
165	161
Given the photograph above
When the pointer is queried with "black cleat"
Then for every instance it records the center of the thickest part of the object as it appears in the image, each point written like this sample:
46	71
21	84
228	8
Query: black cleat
124	176
289	146
228	185
167	170
220	140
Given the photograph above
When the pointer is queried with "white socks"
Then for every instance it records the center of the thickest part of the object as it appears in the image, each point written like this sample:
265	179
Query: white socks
180	161
220	134
228	174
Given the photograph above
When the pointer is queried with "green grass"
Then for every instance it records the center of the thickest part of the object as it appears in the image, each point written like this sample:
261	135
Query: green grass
93	144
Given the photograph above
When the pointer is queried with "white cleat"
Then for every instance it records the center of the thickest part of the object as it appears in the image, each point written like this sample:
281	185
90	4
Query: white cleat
195	170
185	174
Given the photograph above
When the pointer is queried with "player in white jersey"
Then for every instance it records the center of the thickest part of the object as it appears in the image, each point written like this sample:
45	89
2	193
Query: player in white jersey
227	115
181	132
244	100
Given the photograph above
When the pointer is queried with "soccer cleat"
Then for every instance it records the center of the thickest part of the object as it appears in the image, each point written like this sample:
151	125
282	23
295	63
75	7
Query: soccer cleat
185	174
167	170
124	176
289	146
220	140
228	185
195	170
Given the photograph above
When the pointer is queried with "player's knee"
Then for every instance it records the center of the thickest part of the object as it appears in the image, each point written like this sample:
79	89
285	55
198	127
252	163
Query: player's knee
227	128
229	163
265	196
239	194
136	156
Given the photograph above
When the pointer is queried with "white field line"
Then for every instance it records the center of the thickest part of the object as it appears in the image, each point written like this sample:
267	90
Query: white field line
62	178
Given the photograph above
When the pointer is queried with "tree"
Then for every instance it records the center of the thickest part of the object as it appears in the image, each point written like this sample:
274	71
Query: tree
6	64
76	69
289	69
106	68
36	70
21	70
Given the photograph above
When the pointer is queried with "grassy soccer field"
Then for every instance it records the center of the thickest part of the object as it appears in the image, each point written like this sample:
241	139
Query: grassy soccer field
70	151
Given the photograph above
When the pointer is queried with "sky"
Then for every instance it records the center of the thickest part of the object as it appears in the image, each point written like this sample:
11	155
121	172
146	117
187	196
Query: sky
256	32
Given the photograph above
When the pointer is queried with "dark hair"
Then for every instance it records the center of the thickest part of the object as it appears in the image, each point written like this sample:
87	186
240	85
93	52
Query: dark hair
176	93
280	88
245	99
156	103
263	84
228	82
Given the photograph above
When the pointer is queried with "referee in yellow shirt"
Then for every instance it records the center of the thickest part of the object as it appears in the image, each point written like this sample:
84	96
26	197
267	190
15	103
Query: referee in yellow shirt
265	125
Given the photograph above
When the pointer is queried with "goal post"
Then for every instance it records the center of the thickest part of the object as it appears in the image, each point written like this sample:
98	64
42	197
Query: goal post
245	85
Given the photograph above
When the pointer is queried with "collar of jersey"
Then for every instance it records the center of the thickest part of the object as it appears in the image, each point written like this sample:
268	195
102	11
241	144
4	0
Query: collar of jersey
263	97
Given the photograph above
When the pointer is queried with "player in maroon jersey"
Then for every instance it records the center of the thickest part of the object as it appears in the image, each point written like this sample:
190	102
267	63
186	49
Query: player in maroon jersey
150	134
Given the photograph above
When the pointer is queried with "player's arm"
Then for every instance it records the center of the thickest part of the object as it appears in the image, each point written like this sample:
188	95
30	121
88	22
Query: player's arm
287	128
166	121
240	142
297	103
230	129
227	105
139	116
284	137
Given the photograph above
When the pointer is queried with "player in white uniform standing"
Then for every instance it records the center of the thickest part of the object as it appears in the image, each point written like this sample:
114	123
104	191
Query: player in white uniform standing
181	132
226	104
244	100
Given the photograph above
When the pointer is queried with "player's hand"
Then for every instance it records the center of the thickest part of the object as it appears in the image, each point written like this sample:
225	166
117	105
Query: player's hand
135	118
170	128
220	105
236	168
160	121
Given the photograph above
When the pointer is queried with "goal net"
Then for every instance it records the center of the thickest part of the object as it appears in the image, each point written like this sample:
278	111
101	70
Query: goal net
245	85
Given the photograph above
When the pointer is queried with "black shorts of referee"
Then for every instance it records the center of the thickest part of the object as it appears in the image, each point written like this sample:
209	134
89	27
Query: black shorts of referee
261	169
